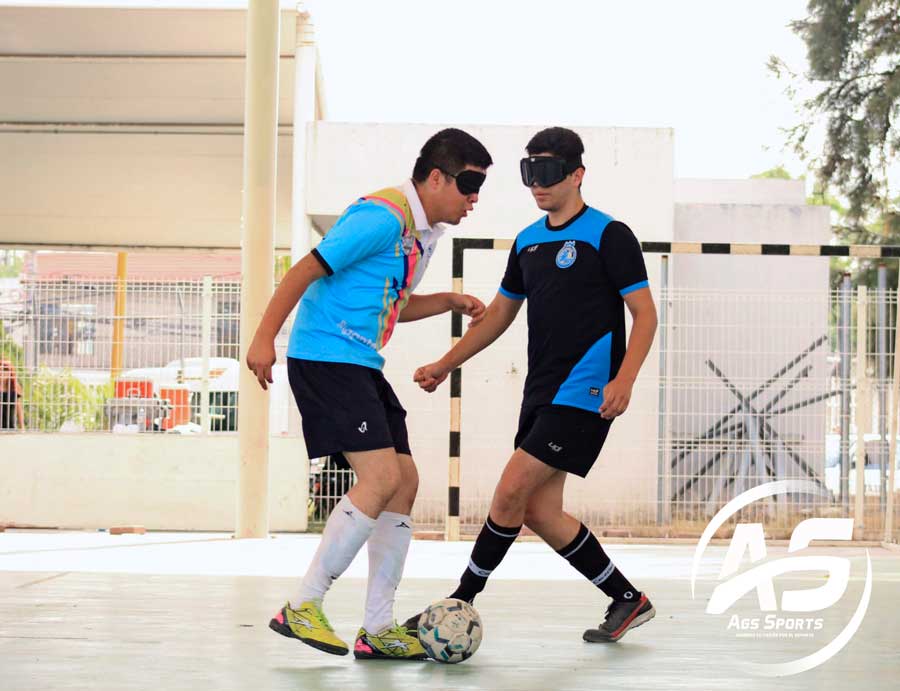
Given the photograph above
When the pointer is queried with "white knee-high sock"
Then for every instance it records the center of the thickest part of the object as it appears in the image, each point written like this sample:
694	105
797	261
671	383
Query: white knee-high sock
346	530
388	547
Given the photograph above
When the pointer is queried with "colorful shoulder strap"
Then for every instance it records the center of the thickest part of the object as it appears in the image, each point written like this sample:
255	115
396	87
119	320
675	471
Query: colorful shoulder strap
396	202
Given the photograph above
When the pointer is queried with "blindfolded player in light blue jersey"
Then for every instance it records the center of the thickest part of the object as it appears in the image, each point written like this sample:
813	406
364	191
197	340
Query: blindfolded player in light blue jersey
353	289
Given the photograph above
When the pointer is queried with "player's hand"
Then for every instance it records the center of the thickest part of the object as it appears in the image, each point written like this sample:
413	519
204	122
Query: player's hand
260	358
468	305
431	376
616	397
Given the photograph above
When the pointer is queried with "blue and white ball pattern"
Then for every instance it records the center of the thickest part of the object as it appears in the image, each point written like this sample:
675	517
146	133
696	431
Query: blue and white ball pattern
450	630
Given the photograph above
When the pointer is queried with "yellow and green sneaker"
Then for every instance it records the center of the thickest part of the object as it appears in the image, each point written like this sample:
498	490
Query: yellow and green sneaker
394	643
309	624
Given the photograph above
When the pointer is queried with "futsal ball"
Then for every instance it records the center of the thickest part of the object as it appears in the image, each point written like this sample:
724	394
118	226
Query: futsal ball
450	630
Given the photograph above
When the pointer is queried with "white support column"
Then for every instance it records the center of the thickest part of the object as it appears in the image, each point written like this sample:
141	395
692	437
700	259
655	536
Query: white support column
305	111
257	257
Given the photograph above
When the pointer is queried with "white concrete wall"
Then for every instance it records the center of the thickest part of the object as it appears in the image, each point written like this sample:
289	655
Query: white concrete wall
163	482
759	191
756	223
749	315
629	172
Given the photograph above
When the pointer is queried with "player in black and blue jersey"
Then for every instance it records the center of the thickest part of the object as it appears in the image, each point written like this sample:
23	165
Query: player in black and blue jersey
578	268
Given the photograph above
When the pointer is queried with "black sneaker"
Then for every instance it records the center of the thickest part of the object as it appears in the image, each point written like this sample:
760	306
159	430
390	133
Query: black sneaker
621	617
412	624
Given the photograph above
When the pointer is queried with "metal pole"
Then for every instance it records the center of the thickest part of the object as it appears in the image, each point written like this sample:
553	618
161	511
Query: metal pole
118	339
844	340
882	326
892	428
35	331
863	407
206	352
662	486
452	523
178	294
257	258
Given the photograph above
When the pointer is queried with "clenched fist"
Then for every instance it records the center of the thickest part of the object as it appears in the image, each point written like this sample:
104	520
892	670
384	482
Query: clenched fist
430	376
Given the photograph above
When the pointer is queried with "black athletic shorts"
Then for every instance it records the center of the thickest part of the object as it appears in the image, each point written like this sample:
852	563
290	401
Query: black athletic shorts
565	438
346	408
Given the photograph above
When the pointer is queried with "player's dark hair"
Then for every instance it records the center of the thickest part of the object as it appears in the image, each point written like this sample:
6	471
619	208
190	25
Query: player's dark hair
450	150
558	141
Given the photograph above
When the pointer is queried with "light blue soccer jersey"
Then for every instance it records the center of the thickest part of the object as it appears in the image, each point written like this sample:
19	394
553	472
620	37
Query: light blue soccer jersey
370	256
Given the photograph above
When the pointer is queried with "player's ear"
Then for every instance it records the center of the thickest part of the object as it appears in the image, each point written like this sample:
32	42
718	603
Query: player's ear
578	176
434	178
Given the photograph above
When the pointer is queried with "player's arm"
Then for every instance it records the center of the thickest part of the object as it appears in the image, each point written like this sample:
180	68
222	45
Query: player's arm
617	394
423	306
261	355
497	317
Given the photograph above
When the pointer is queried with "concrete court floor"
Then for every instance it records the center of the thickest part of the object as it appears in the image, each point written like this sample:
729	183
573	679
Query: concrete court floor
165	611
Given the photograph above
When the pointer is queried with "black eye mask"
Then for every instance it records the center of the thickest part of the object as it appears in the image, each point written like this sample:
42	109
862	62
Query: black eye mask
468	181
545	171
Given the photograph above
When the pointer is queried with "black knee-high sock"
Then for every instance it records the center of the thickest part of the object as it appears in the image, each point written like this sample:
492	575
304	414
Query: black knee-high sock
588	557
491	546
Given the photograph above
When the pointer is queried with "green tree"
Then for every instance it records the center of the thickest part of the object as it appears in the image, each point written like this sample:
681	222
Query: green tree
777	173
10	350
11	264
853	51
55	397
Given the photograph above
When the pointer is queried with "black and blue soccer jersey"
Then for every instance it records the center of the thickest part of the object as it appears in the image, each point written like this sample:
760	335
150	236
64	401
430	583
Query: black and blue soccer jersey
574	277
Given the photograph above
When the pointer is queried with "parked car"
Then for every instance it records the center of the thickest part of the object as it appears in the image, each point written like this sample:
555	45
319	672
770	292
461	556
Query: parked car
187	375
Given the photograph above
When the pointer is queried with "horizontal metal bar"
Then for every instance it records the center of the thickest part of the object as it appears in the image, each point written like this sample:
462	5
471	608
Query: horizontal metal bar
736	248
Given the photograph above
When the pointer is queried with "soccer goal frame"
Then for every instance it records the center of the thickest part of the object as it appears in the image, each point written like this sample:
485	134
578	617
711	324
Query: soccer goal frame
664	250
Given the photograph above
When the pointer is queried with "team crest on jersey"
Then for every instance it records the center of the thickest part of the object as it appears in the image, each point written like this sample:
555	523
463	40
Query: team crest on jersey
567	255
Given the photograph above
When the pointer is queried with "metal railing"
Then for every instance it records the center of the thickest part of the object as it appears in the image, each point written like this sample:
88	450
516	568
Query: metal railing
749	385
174	367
